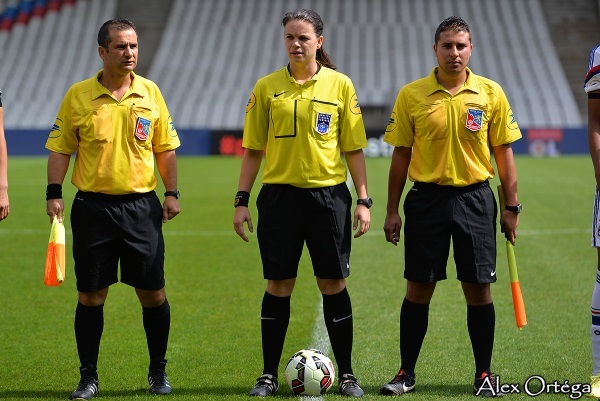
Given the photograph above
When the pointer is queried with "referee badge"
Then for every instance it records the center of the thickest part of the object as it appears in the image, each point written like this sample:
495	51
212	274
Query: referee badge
142	128
323	121
474	119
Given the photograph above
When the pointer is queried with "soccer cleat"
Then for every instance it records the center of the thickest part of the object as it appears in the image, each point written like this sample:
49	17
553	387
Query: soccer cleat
265	386
88	385
486	386
402	383
595	386
157	379
349	386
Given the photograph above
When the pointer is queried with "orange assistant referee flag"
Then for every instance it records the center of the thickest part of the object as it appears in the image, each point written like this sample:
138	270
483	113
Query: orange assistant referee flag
54	273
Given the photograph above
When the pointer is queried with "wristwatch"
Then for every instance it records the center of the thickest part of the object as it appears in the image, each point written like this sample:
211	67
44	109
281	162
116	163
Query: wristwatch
175	194
368	202
514	209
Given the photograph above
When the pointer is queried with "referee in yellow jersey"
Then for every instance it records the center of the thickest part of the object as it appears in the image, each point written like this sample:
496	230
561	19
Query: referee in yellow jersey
442	127
303	117
117	123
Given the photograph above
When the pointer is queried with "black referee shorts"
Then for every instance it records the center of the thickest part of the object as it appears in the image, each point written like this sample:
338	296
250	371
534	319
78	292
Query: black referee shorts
108	229
435	215
289	216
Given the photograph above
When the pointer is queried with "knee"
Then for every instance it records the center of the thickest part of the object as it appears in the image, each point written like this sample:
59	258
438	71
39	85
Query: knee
151	299
419	293
281	288
477	294
331	286
92	298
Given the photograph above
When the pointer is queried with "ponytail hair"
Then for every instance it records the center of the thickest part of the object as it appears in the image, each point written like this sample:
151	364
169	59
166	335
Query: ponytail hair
315	20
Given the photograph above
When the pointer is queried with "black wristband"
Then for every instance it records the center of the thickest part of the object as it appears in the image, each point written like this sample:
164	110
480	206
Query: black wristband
53	191
241	199
174	194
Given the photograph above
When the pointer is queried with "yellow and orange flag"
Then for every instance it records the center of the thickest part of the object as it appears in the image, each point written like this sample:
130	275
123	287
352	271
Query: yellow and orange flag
54	273
515	285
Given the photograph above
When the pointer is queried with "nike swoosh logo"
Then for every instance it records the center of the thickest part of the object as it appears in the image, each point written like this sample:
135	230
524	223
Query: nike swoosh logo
344	318
493	273
279	94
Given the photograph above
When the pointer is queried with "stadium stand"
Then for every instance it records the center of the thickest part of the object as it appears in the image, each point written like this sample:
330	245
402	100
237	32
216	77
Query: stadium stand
43	56
380	44
575	30
211	52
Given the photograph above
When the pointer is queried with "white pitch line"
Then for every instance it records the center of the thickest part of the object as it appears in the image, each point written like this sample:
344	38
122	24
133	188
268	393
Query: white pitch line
320	339
320	336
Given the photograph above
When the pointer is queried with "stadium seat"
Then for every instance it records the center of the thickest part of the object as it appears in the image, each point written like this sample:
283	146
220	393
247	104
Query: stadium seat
212	52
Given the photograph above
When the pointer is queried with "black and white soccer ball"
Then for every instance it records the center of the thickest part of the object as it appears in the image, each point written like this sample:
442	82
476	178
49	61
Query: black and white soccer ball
309	372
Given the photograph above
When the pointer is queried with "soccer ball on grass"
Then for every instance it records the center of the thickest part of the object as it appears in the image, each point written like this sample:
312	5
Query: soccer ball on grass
309	372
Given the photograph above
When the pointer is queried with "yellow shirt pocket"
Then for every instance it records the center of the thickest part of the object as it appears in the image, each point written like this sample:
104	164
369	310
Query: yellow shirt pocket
96	126
284	118
430	121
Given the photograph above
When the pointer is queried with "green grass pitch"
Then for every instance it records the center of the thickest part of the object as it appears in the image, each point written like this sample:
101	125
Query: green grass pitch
215	287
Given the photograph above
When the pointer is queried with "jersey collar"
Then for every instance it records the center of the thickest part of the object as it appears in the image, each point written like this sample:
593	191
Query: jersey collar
433	85
99	90
314	77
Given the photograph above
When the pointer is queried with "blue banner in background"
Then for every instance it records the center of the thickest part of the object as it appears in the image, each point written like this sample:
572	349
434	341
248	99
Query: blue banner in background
539	142
194	142
26	142
553	141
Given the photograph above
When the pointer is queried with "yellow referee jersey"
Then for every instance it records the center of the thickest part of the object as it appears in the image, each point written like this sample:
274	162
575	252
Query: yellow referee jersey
115	140
306	127
450	135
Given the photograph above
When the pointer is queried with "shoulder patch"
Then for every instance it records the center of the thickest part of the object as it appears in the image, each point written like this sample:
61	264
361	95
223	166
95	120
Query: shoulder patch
171	127
354	106
511	121
251	102
392	123
56	130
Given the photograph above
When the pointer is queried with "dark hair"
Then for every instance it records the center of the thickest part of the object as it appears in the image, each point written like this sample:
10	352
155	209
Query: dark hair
456	24
315	20
117	24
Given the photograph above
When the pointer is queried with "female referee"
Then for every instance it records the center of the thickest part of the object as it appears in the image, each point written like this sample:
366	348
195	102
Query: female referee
302	117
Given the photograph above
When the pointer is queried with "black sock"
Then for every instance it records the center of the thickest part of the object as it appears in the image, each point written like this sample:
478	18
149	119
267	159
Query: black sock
481	321
157	322
414	319
337	311
89	324
274	320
